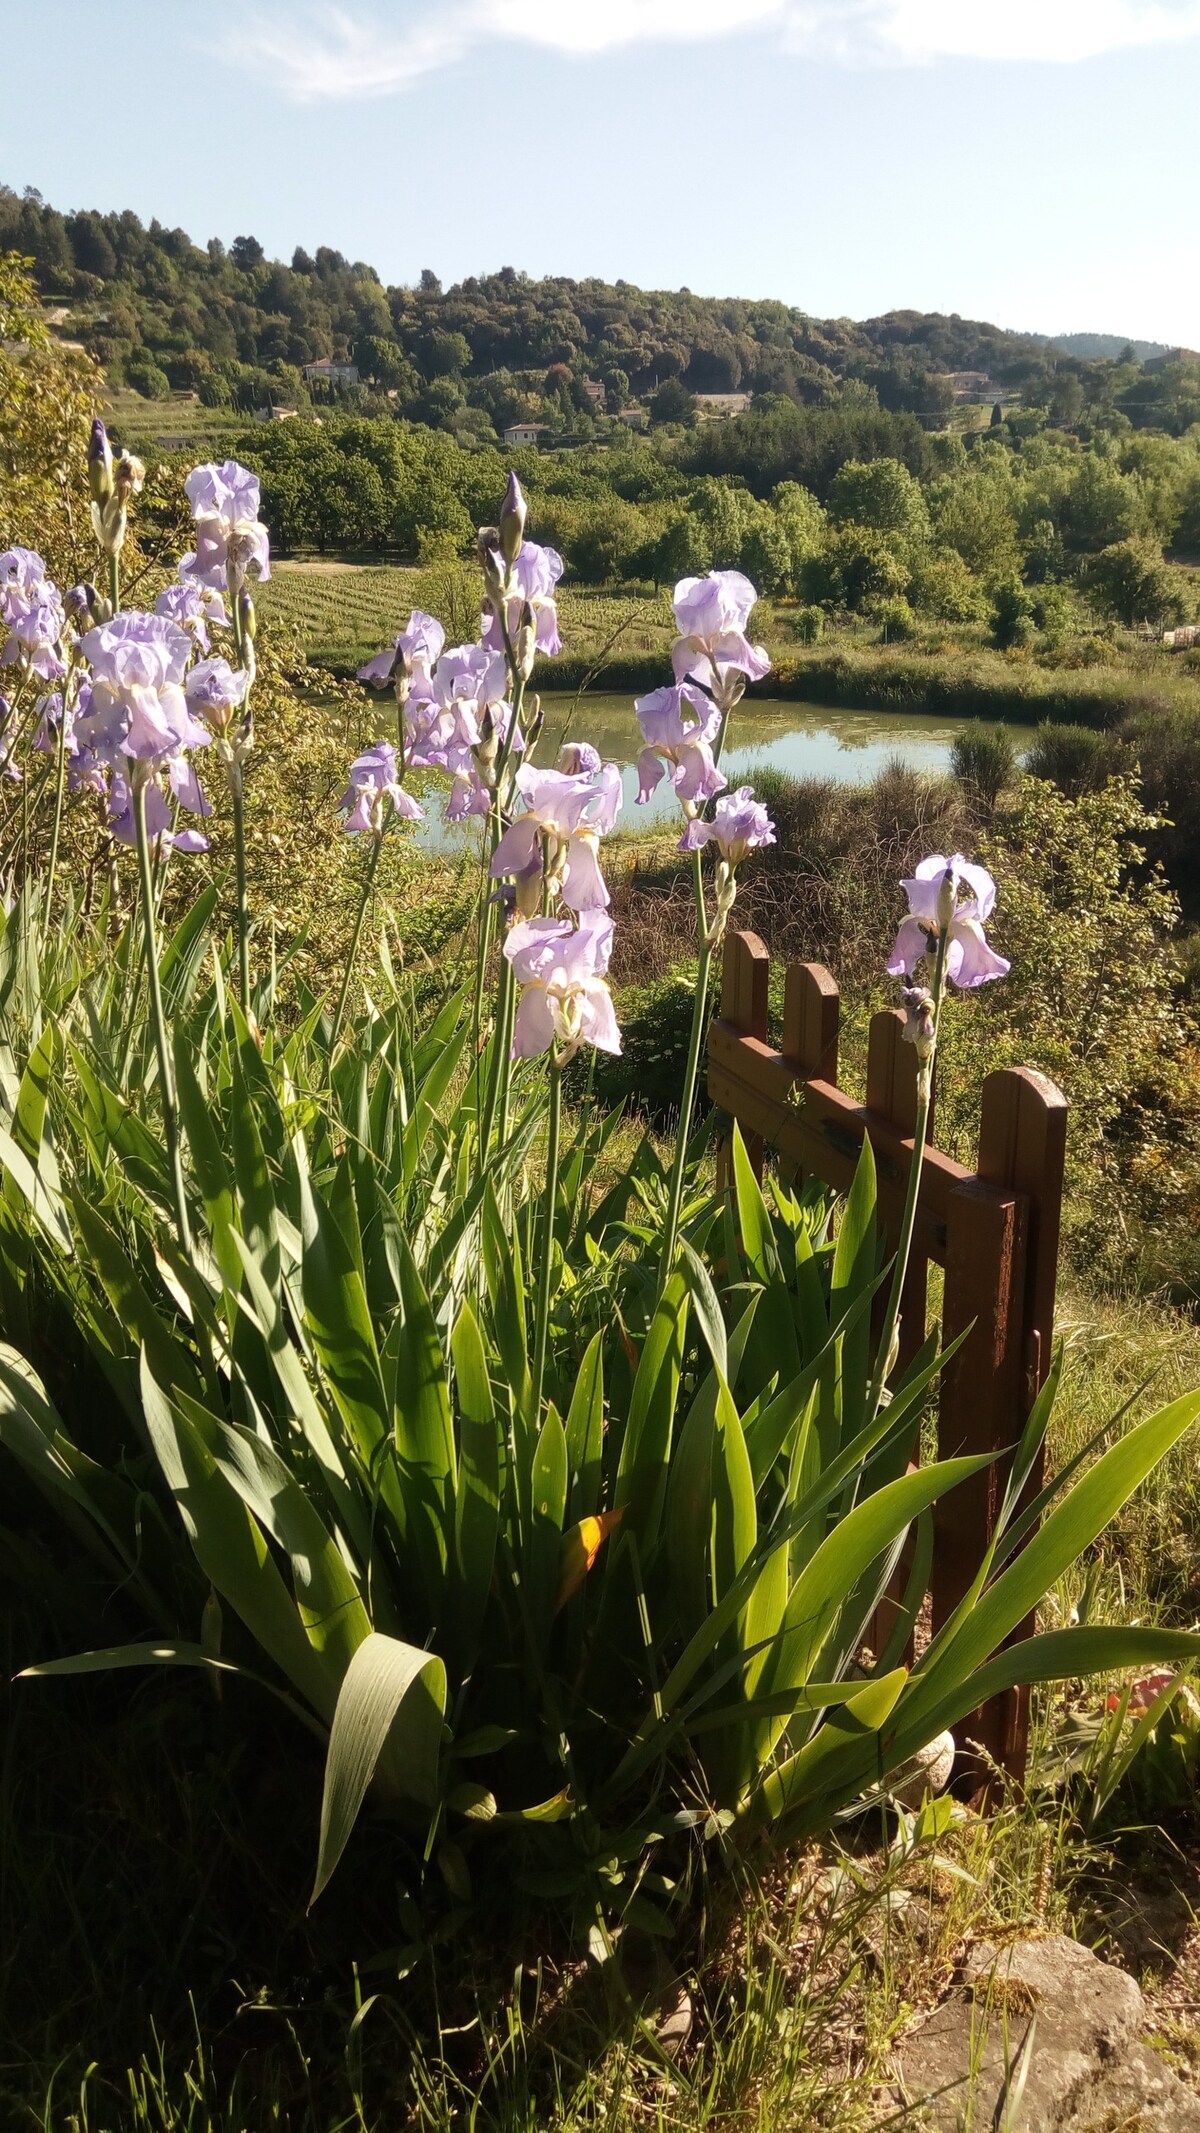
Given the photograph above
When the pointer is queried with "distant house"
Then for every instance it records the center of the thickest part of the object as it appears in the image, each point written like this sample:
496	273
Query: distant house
973	385
634	418
280	414
594	390
719	407
328	373
524	432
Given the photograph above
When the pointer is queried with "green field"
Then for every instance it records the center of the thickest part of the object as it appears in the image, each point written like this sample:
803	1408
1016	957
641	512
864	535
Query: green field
345	612
145	424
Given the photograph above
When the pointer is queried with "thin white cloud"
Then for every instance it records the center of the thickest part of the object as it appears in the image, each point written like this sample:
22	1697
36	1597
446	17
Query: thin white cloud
1049	32
332	56
331	53
586	26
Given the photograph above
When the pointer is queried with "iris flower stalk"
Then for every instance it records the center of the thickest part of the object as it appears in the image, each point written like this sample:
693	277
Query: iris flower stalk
232	548
690	1074
138	781
711	615
562	969
739	826
60	785
242	616
356	937
373	796
542	1309
498	563
949	928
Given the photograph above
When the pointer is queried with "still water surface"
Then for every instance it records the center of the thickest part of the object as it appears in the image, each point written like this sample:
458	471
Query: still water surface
802	740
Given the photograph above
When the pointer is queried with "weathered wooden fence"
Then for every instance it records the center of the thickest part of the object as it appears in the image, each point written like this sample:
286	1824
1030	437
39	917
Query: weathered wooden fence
994	1230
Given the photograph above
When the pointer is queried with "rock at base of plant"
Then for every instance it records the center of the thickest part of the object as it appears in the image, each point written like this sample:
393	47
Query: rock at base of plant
929	1771
1044	2036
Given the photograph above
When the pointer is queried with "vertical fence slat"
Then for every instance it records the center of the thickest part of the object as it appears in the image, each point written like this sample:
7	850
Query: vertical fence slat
745	981
892	1093
811	1015
745	990
1022	1147
986	1232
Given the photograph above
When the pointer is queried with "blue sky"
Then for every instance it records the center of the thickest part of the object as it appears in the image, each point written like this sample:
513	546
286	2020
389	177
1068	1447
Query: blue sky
1034	162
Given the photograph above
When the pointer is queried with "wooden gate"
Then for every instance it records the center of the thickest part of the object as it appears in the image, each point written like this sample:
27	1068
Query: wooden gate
994	1230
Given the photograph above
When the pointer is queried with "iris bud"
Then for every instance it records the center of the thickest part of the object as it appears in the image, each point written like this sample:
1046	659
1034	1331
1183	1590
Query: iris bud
487	747
525	648
918	1020
513	513
402	676
100	463
947	898
491	563
82	604
128	476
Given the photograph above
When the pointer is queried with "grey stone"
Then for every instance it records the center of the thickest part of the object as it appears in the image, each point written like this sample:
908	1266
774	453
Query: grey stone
1139	2094
1084	2069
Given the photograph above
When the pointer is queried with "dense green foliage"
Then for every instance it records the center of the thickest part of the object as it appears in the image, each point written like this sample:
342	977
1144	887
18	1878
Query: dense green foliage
194	314
581	1634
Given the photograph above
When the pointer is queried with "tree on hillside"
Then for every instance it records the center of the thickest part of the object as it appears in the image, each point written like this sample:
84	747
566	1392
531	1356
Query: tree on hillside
673	403
1130	582
882	495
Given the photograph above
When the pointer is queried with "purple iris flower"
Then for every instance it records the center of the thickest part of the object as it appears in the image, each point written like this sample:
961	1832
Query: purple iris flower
679	726
123	824
137	706
36	624
469	796
192	606
711	614
49	710
374	778
578	759
22	572
534	575
85	771
32	611
186	786
472	674
740	825
137	650
214	690
464	708
561	969
420	644
558	834
935	907
231	544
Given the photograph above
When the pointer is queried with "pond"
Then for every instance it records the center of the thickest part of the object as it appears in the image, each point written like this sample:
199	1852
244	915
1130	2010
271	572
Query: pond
802	740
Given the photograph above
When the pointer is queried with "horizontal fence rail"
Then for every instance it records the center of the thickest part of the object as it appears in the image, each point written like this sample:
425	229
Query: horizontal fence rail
994	1231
